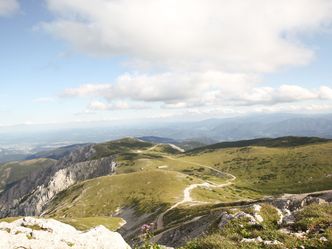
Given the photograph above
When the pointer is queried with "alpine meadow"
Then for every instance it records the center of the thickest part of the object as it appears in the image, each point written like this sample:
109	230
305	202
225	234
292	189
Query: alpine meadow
166	124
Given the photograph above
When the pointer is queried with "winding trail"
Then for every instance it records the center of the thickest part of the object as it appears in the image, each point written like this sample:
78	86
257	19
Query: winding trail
187	191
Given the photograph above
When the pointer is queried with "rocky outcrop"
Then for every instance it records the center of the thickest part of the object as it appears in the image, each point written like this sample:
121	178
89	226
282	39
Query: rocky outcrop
30	196
286	207
48	233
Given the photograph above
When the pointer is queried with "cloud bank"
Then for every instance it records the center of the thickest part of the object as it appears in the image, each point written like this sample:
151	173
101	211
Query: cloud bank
196	90
255	36
8	7
206	52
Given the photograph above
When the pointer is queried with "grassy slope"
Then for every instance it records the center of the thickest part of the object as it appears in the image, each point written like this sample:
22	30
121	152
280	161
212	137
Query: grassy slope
282	142
126	146
14	171
146	191
311	219
259	170
293	165
150	179
83	224
274	170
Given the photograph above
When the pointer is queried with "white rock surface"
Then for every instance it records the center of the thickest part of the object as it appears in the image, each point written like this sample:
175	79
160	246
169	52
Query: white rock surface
31	233
257	209
251	219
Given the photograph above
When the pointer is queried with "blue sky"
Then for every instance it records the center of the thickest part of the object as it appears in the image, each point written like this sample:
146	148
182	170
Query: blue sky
64	61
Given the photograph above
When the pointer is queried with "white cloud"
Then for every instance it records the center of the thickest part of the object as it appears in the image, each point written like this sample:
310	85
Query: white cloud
325	92
281	94
86	90
8	7
255	36
118	105
207	53
169	88
294	108
191	90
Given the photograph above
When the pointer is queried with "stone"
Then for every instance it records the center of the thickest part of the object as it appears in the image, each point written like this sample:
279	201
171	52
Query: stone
258	217
251	219
48	233
225	218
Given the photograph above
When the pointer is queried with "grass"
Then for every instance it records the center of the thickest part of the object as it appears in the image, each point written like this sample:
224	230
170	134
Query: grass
314	218
36	228
152	161
231	235
227	194
270	216
15	171
9	219
86	223
126	145
185	213
281	142
151	178
271	171
145	191
165	148
259	170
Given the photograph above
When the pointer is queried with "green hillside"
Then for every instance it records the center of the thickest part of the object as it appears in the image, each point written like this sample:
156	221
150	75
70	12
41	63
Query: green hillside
146	192
14	171
269	170
151	178
281	142
122	146
311	219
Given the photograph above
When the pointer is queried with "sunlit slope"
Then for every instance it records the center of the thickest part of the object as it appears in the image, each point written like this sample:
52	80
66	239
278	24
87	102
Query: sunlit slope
269	166
149	179
281	142
125	146
14	171
144	191
276	170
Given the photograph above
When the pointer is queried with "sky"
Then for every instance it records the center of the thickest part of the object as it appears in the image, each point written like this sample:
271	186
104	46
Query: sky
79	60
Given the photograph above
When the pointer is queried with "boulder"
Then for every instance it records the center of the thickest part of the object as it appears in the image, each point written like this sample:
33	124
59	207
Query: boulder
224	219
48	233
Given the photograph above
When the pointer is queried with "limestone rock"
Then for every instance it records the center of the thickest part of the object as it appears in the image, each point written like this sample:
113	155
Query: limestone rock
48	233
224	219
257	209
30	196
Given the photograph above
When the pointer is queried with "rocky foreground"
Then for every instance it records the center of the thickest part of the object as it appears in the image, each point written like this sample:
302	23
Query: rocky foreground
31	233
293	221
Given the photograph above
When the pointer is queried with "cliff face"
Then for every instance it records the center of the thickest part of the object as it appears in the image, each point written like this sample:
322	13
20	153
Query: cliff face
31	195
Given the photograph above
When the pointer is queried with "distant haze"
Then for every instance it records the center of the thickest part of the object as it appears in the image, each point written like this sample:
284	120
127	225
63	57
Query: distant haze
227	129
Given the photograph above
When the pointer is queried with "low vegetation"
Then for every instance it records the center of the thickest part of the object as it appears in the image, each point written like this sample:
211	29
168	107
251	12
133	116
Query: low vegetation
86	223
232	235
272	171
14	171
151	178
145	191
